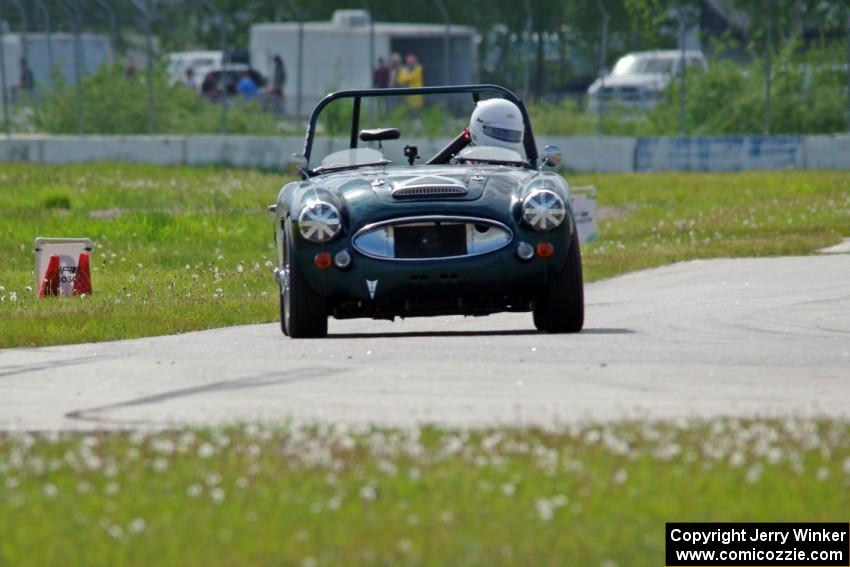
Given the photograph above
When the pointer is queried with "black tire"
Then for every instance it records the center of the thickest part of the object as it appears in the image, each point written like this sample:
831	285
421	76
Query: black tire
303	312
560	308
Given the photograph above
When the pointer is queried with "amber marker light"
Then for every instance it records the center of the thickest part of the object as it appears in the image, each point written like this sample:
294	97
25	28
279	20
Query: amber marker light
323	260
545	249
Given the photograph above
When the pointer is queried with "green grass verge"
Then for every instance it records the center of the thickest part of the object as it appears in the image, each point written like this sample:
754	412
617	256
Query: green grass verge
586	495
182	249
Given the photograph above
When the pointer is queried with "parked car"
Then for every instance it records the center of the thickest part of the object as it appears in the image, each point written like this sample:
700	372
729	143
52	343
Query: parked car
218	79
476	229
639	79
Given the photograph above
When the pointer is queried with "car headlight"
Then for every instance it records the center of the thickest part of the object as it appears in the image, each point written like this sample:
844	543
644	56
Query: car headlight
319	222
543	210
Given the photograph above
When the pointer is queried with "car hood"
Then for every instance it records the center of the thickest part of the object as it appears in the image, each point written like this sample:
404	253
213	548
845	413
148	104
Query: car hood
388	185
365	195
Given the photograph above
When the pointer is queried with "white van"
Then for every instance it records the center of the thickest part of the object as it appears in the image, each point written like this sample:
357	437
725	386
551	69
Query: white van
180	61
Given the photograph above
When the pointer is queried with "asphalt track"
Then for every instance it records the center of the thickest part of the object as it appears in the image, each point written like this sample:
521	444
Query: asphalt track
750	337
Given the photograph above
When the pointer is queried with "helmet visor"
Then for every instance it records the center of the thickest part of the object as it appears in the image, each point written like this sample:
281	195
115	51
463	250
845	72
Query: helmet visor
503	134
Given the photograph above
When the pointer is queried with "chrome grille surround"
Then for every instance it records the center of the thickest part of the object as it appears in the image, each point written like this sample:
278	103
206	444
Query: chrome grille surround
376	240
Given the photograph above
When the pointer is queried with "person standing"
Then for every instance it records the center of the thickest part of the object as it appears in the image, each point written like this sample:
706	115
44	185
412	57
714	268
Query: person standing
275	88
247	87
189	79
395	67
381	75
26	81
411	76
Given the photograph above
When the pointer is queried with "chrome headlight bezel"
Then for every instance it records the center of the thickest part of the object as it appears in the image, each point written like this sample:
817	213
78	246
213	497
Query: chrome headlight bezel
543	210
319	222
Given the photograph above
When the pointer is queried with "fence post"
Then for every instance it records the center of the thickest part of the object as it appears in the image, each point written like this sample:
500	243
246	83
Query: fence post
45	16
682	71
768	64
146	8
529	23
300	64
5	93
603	49
222	40
113	27
447	38
74	11
24	27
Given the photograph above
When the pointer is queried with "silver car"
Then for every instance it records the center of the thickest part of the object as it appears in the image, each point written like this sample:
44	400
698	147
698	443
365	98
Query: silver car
639	79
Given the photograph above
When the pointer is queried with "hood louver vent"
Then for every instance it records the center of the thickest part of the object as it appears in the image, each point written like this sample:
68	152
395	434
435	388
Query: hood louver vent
412	191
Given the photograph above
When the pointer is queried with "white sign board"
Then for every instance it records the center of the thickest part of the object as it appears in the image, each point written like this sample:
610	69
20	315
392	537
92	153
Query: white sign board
584	211
68	250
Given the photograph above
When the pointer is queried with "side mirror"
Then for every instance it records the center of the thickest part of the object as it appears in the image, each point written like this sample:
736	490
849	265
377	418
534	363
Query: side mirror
296	163
551	156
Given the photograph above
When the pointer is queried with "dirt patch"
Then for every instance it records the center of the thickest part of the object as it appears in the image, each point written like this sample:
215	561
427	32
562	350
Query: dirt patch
611	212
106	214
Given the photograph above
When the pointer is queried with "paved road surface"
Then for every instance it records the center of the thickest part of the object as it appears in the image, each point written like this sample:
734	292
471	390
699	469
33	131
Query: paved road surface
731	337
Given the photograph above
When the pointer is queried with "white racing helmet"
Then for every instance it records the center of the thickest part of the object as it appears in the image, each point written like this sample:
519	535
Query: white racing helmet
497	122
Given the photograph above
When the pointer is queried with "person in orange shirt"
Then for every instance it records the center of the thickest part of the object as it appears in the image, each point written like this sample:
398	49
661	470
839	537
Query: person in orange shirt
411	76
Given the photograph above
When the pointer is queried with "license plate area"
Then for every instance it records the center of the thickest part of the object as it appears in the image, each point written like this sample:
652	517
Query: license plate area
430	240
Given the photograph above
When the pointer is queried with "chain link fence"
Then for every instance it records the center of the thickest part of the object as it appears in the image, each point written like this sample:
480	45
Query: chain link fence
102	66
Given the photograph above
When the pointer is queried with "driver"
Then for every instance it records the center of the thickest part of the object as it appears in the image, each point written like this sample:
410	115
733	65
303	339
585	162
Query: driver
494	122
497	122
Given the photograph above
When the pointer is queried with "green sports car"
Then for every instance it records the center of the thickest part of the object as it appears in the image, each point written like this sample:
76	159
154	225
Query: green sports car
483	226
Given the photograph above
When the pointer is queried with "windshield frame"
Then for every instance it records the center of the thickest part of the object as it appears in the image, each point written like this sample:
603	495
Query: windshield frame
636	64
357	95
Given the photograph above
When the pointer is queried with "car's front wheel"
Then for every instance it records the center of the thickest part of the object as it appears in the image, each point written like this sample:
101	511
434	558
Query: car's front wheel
560	308
303	312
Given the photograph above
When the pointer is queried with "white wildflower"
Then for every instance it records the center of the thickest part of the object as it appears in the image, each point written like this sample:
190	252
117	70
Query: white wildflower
544	509
217	494
136	526
754	473
50	490
621	476
368	493
206	450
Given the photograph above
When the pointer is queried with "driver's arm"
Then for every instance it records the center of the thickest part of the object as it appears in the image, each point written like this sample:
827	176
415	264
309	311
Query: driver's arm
443	156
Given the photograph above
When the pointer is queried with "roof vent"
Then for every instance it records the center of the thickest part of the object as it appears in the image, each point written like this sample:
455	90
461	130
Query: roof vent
351	18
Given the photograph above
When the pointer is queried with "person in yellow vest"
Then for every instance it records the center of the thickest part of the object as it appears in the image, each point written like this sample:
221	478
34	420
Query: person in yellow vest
411	76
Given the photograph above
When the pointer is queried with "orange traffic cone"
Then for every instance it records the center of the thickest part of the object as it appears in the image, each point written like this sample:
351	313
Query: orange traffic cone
50	283
82	281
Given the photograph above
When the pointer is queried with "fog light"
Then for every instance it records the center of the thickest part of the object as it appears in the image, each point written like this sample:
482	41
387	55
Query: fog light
342	259
545	249
323	260
525	251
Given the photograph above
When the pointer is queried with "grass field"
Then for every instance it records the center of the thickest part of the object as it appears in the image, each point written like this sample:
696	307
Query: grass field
589	495
181	249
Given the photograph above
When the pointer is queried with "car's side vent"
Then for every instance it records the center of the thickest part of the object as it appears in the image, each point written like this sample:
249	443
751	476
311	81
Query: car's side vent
412	191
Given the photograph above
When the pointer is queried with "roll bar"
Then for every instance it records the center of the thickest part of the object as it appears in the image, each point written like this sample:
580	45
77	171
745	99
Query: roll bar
474	90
